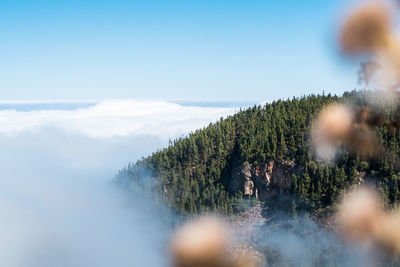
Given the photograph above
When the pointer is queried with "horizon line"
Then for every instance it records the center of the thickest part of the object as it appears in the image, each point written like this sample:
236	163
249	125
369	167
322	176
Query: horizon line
94	100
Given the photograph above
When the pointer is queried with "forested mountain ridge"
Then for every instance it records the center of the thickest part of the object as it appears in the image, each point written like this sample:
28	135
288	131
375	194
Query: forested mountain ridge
264	152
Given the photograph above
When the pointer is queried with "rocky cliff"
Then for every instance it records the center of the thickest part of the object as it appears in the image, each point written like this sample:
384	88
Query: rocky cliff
263	180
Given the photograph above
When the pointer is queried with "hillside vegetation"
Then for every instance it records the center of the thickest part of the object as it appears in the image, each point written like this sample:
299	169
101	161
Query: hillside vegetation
196	173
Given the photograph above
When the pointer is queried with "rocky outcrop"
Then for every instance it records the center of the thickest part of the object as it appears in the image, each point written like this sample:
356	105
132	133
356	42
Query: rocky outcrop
262	180
242	179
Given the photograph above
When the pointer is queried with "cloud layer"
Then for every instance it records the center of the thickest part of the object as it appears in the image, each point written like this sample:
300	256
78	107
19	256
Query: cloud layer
57	205
115	118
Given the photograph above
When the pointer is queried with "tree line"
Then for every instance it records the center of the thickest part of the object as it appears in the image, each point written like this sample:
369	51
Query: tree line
193	173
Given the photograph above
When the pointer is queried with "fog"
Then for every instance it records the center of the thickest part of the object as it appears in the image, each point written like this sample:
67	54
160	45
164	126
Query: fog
57	201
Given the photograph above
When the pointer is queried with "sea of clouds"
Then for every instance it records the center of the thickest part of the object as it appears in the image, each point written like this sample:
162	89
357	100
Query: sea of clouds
58	206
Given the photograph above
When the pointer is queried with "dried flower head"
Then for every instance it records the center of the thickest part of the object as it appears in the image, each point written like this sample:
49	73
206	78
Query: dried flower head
202	242
331	129
366	29
362	219
358	215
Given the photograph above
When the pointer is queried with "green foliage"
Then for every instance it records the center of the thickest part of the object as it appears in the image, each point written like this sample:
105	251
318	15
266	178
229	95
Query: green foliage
194	172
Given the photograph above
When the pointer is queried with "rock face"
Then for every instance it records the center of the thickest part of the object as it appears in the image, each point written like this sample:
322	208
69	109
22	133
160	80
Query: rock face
262	180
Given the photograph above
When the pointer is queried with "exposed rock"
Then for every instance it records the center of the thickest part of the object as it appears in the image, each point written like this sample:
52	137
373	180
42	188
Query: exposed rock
245	226
241	179
246	222
361	177
262	180
248	188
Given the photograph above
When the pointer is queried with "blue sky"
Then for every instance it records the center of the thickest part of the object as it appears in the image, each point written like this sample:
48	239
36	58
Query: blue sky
250	49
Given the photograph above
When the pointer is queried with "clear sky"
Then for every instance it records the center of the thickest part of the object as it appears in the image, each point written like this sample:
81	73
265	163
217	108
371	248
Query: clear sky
208	49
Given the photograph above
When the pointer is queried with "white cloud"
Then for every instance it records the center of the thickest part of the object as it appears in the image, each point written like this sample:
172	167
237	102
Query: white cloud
115	118
57	205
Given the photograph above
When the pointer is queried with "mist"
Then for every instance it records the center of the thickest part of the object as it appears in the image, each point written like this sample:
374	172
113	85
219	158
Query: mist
302	242
58	203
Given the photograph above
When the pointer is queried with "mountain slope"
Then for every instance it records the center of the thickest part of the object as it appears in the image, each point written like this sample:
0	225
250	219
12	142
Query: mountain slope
264	153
